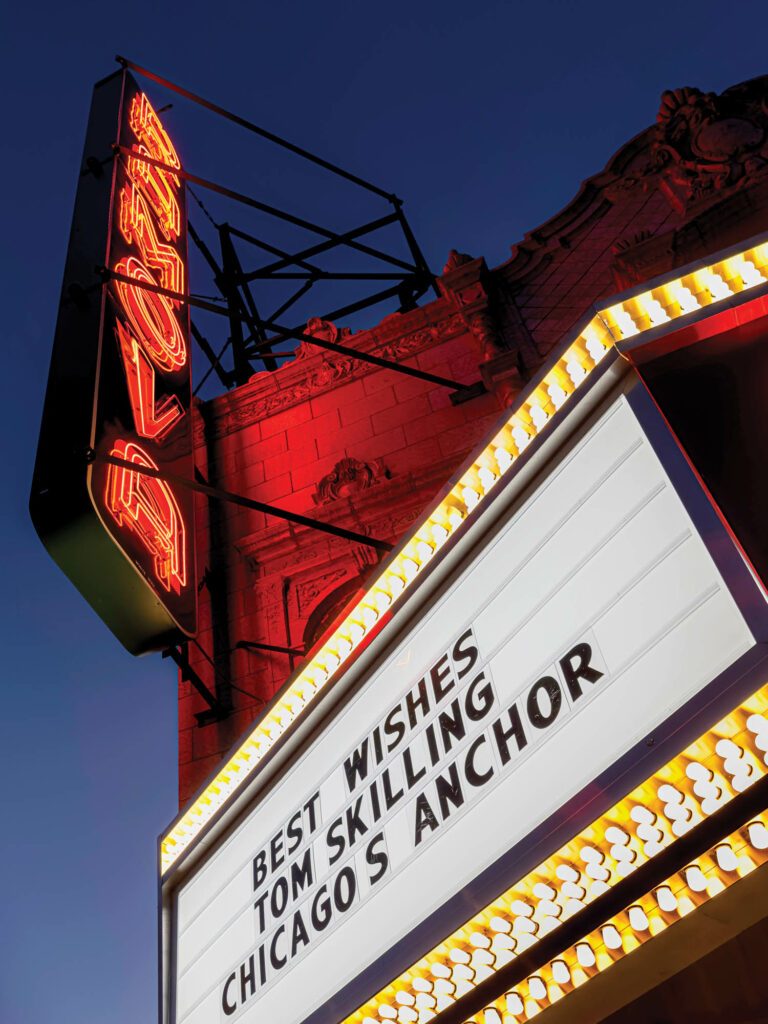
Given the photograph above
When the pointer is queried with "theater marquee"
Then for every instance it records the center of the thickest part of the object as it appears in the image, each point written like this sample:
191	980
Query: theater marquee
593	615
118	397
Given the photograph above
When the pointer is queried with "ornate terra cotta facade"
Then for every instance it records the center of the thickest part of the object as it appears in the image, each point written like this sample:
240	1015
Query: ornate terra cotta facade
367	448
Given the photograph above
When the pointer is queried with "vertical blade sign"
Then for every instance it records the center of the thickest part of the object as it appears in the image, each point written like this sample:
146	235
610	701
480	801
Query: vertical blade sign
119	387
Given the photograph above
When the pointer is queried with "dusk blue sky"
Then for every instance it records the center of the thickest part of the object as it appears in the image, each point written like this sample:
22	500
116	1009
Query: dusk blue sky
484	117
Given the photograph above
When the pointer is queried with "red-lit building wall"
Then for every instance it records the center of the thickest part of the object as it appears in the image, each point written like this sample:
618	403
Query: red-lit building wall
368	448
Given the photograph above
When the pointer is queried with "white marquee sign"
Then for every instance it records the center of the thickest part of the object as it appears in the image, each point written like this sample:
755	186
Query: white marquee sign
576	627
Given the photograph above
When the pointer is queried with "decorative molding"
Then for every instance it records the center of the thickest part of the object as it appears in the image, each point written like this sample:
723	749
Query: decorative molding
349	476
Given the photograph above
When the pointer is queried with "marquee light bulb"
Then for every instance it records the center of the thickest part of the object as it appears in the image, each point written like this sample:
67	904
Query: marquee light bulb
758	835
560	972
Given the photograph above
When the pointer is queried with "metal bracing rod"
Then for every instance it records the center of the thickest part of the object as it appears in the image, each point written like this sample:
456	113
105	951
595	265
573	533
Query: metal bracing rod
327	275
342	239
240	197
239	499
292	300
368	357
243	369
259	131
284	332
234	302
267	247
416	252
189	675
256	645
211	356
235	272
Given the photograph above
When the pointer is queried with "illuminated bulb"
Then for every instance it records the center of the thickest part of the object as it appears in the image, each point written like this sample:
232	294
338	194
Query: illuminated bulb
647	830
585	954
407	1015
356	632
422	985
567	873
557	395
459	956
502	942
572	891
734	764
503	458
560	972
396	584
715	285
573	906
542	891
470	496
525	941
674	810
487	478
704	786
524	926
500	924
443	987
695	879
616	836
409	567
424	551
440	533
537	988
666	899
759	727
514	1003
455	518
381	599
440	970
405	998
611	937
654	309
749	273
464	986
538	416
443	1002
726	858
596	349
424	1001
479	940
521	908
624	321
482	957
491	1016
576	372
684	297
548	908
521	437
594	859
758	835
637	919
387	1013
344	647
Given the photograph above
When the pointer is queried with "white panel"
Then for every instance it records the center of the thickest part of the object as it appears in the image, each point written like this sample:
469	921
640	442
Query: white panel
603	555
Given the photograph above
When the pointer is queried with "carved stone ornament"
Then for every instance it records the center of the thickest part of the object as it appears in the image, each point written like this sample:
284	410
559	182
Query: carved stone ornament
703	145
456	259
349	476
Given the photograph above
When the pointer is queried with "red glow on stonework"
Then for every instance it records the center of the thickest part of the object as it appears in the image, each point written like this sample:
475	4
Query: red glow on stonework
146	506
158	185
151	317
137	228
152	419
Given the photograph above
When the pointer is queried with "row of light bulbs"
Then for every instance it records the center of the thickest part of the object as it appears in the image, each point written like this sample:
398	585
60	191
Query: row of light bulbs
706	776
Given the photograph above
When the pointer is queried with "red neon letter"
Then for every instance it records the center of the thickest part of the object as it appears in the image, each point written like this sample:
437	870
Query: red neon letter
147	507
152	419
151	317
137	228
159	185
